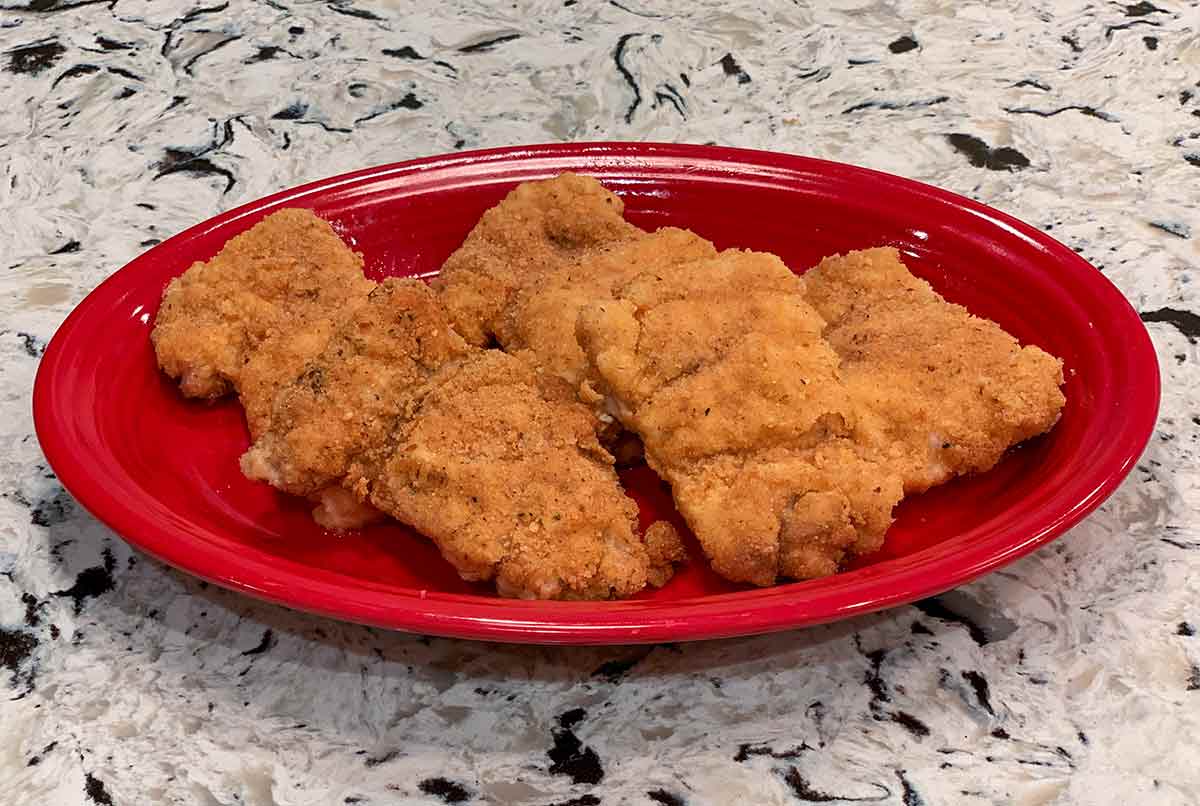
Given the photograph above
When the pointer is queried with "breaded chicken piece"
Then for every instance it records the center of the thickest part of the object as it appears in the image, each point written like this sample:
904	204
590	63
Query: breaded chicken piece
276	279
276	362
508	478
720	367
347	398
538	324
499	467
538	228
942	392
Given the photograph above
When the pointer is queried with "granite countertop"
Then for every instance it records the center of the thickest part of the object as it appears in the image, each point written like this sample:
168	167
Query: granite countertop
1071	677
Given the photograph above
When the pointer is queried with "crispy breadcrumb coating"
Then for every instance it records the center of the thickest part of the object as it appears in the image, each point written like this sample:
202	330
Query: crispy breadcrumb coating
720	367
501	468
508	478
347	399
538	325
538	228
942	392
277	278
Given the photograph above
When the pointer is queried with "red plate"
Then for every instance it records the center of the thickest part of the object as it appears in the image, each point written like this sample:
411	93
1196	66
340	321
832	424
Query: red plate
163	472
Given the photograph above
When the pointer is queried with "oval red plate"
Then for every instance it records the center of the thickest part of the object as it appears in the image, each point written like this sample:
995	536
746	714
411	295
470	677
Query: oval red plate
163	473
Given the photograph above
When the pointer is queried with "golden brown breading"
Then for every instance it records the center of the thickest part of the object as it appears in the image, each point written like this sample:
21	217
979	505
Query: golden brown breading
275	363
511	483
720	367
282	274
942	392
348	398
498	466
538	228
538	324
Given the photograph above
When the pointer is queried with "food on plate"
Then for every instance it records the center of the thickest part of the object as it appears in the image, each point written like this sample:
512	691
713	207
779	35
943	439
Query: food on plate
536	259
499	467
538	228
940	392
502	469
346	398
720	367
788	414
281	276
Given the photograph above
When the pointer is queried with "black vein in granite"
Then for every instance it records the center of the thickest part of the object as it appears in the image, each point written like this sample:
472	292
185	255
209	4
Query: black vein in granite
93	787
645	14
376	761
892	105
903	45
582	800
748	751
348	10
446	790
33	607
668	94
60	506
1109	30
33	59
910	723
72	72
196	13
1090	111
406	52
874	680
569	756
1151	42
1185	629
1176	228
665	798
112	44
619	59
1194	678
909	794
730	66
1072	42
91	582
1030	82
1185	322
409	101
192	163
979	685
805	792
37	758
51	6
488	44
220	43
264	53
16	646
1141	9
33	347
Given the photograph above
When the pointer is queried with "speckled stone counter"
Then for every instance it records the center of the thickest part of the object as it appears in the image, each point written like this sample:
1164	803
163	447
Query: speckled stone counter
1071	677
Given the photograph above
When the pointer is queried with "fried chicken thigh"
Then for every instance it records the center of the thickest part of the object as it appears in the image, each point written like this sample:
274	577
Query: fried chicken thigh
942	393
508	478
720	367
282	277
540	227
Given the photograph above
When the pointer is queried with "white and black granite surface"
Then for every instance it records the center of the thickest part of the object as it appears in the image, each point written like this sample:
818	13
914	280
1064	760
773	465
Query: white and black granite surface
1072	677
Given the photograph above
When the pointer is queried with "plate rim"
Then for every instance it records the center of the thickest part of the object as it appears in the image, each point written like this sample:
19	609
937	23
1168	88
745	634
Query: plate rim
705	617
